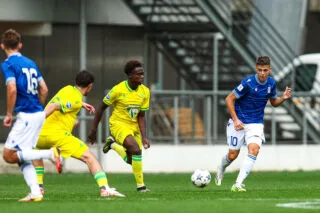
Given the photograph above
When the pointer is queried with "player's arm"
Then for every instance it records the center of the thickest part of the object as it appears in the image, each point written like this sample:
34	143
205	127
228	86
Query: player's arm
142	125
99	113
11	101
279	100
50	108
42	92
230	99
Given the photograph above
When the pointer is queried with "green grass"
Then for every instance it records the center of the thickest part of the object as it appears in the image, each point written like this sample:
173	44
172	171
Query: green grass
75	193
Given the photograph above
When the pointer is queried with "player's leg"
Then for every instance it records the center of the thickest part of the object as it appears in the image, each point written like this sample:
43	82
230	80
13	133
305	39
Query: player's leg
128	145
246	167
133	146
119	149
74	147
226	160
22	138
47	142
235	139
118	133
29	174
39	166
13	156
254	137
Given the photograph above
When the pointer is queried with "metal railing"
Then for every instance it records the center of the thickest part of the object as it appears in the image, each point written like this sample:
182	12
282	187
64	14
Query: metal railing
200	108
201	103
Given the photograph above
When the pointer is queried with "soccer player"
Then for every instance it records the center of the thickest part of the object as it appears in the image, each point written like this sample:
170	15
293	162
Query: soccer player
246	104
57	131
26	93
130	99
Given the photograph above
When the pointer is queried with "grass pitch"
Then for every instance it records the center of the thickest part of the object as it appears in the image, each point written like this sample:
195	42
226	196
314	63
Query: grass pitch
77	193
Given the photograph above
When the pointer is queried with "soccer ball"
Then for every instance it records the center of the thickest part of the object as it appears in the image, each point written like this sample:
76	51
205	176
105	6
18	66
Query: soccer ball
200	178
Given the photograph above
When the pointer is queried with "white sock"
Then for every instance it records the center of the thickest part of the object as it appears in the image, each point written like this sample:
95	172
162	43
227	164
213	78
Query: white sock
31	154
225	162
30	176
246	168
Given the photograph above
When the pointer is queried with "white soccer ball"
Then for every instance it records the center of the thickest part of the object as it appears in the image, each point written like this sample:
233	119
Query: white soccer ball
200	178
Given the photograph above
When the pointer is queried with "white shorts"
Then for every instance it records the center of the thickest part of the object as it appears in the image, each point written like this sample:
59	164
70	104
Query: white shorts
252	133
25	131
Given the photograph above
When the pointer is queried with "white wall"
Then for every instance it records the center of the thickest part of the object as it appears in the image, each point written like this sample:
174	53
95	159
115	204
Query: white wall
162	158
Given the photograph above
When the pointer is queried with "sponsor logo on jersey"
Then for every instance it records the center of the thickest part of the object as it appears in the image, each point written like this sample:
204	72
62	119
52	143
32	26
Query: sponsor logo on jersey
133	111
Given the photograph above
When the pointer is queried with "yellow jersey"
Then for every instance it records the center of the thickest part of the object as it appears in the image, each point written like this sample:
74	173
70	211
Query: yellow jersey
70	100
126	102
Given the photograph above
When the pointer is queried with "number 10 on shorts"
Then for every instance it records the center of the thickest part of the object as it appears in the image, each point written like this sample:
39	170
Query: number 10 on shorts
233	141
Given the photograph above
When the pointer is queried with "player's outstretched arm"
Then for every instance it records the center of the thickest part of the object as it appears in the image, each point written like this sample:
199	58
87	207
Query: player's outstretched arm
43	92
88	107
50	108
92	136
278	101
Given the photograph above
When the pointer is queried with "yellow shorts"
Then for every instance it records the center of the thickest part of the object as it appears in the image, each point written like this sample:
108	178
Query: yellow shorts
120	130
68	144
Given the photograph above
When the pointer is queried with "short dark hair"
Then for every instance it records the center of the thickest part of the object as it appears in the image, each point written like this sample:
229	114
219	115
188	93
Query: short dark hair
10	39
84	78
263	60
131	65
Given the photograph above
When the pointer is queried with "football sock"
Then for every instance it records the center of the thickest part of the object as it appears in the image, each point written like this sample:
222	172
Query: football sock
31	154
29	174
137	169
120	150
225	162
246	167
101	178
40	174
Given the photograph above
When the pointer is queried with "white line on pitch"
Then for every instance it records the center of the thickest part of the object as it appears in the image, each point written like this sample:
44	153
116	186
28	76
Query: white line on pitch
300	205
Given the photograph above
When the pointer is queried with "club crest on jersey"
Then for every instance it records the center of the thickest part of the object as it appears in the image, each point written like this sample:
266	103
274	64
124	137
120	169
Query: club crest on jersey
269	89
240	87
68	105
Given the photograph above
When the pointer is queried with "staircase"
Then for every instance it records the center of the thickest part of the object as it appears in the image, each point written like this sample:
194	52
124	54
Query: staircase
171	15
165	20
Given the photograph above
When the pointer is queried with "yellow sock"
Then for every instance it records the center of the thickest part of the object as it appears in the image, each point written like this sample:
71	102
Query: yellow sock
120	150
40	174
137	169
101	178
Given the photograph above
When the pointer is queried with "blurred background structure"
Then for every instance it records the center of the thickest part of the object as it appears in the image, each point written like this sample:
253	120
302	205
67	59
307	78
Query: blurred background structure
194	53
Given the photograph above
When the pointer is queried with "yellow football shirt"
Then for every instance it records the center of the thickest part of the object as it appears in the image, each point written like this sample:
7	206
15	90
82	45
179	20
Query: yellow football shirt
126	102
70	100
